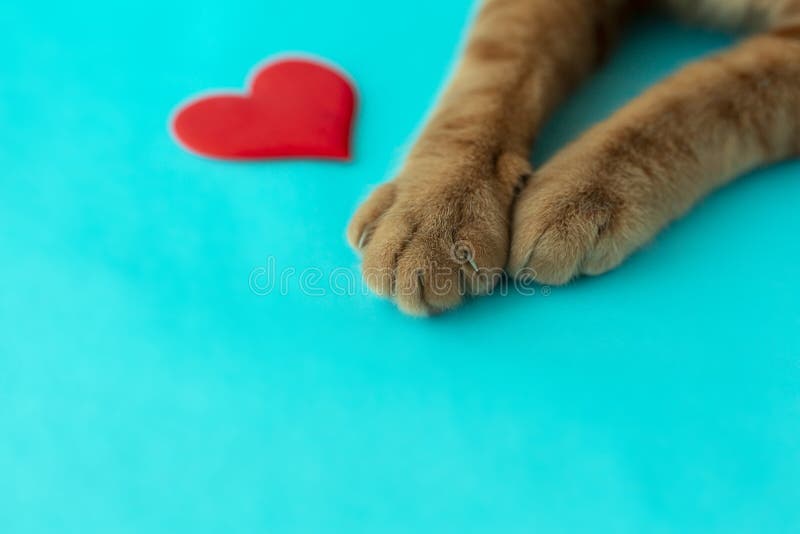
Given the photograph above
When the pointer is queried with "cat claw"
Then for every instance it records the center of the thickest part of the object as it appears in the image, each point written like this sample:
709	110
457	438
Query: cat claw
362	239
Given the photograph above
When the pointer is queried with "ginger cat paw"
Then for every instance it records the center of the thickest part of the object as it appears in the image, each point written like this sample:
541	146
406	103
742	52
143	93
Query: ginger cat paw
565	226
438	232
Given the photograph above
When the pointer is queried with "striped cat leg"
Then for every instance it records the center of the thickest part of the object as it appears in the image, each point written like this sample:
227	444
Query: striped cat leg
615	187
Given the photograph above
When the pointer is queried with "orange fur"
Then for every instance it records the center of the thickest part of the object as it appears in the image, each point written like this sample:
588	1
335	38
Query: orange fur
463	206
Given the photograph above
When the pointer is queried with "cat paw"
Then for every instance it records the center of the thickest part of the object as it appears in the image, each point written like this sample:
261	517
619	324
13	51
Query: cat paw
437	233
566	225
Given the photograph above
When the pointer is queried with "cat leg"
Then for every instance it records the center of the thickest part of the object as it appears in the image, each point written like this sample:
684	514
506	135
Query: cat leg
616	186
440	230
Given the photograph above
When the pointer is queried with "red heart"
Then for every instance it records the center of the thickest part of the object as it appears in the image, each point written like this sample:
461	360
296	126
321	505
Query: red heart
296	108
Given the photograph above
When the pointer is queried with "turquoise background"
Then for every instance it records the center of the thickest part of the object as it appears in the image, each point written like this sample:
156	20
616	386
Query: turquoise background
145	388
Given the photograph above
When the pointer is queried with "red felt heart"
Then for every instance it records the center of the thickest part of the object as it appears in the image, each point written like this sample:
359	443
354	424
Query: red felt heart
296	108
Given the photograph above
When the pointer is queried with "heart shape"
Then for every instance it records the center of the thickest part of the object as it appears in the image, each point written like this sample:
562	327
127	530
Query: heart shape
296	108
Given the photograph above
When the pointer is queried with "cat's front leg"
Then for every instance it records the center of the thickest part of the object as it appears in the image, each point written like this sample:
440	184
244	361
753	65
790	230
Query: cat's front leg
613	189
440	230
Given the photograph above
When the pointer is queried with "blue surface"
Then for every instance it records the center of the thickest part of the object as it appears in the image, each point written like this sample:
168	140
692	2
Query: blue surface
145	388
